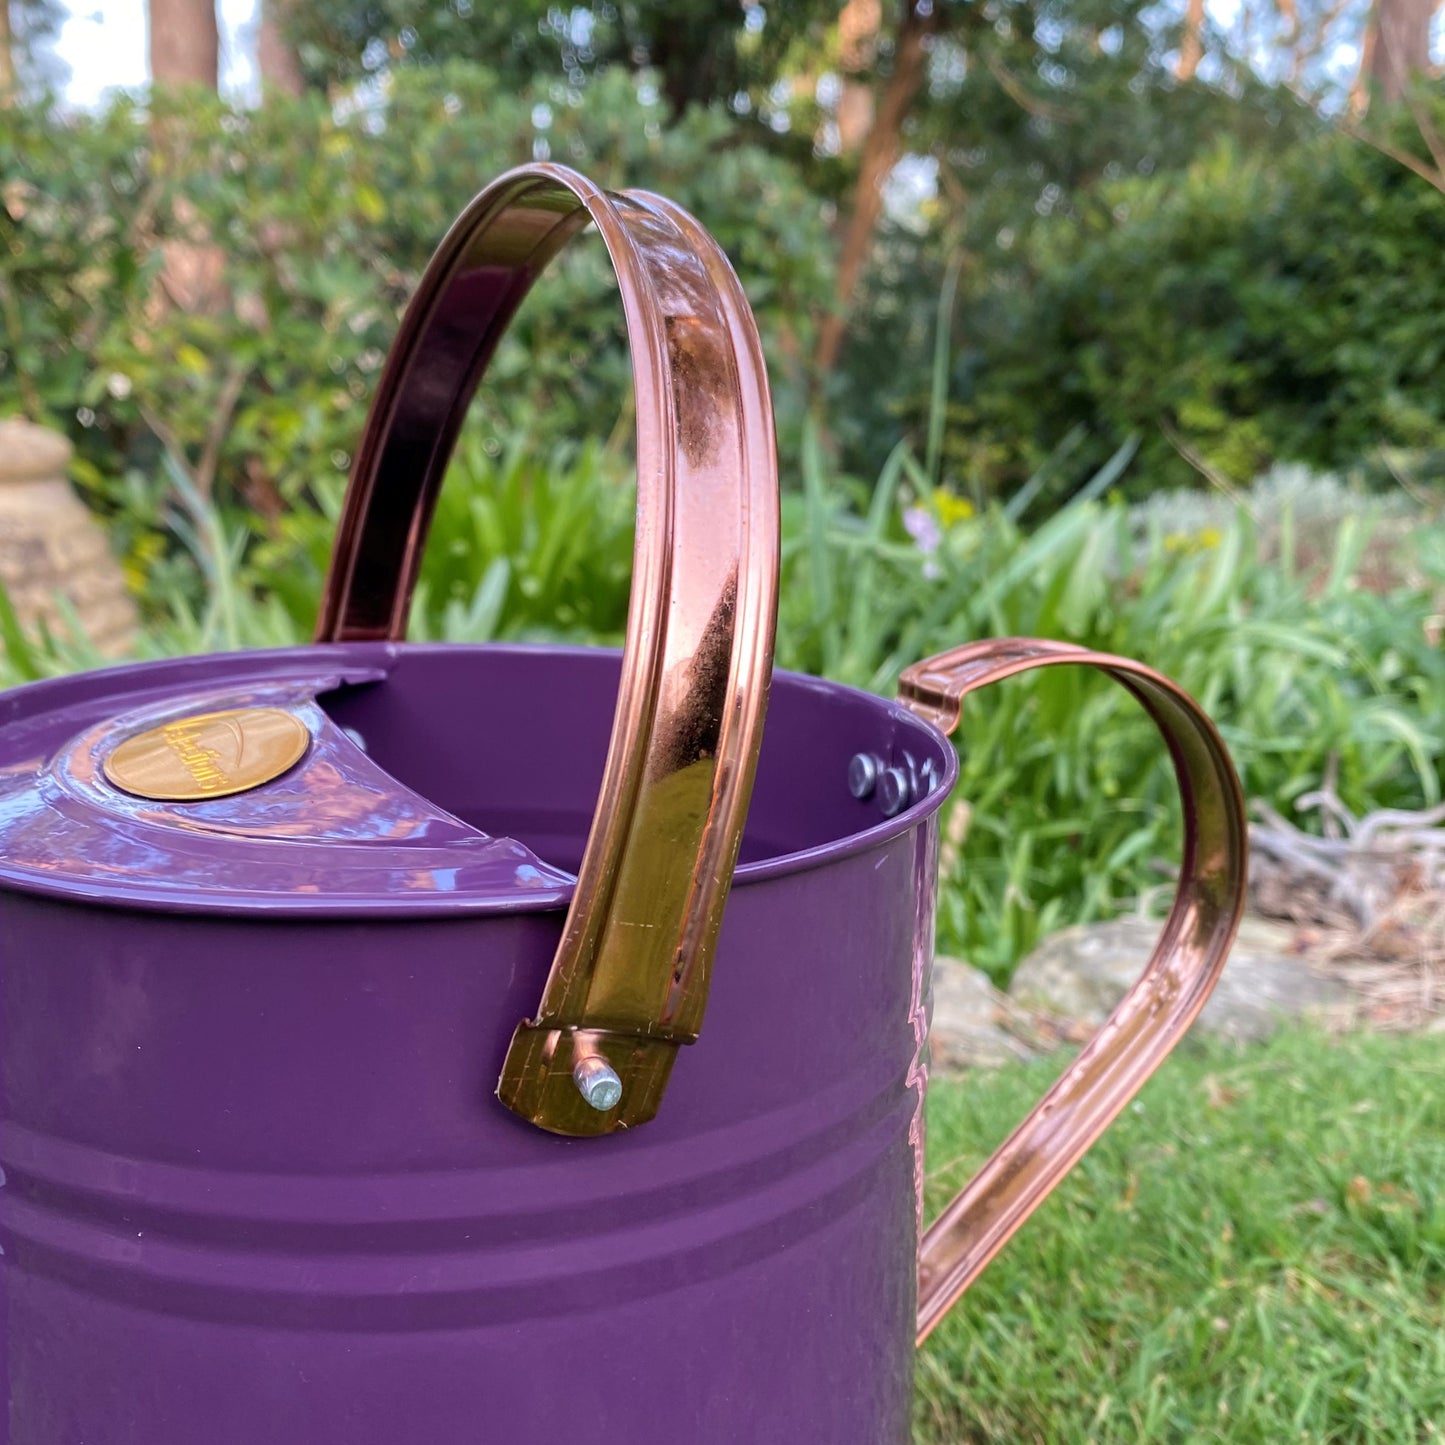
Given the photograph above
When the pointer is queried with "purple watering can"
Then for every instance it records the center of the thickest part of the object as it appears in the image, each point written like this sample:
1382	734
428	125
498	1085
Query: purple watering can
344	988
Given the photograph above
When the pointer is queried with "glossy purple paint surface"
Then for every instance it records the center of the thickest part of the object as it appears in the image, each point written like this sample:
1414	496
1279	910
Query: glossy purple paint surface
336	832
256	1187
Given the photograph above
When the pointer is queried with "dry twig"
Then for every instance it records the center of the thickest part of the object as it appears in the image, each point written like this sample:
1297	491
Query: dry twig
1369	897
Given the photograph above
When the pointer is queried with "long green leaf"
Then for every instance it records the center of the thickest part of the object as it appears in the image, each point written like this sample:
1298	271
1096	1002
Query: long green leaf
942	359
20	657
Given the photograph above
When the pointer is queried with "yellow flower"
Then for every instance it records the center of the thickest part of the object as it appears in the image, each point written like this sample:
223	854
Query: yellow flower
951	510
1183	542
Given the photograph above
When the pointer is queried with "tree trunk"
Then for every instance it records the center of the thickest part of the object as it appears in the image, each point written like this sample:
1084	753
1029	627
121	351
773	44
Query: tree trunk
1191	48
185	44
185	50
1360	90
7	55
1402	45
880	155
693	48
280	69
858	26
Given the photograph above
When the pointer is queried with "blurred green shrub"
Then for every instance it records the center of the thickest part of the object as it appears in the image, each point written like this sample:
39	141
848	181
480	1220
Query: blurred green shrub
1271	298
228	294
527	542
1071	805
1252	307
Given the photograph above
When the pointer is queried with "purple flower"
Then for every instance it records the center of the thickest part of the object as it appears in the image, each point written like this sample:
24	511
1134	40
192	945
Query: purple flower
922	526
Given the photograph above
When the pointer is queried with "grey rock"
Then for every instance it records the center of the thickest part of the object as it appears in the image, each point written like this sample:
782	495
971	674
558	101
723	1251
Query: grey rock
1083	972
968	1017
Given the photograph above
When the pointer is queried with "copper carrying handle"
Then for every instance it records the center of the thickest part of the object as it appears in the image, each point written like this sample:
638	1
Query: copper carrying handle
629	982
1153	1015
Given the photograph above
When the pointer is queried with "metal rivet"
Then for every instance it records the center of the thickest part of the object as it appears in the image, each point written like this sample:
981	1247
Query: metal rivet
597	1082
862	775
894	792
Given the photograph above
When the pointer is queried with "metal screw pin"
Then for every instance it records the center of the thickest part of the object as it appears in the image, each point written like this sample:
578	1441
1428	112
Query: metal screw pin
895	792
597	1082
862	775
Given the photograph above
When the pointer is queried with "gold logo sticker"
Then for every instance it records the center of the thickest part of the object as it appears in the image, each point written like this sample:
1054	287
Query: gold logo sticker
211	755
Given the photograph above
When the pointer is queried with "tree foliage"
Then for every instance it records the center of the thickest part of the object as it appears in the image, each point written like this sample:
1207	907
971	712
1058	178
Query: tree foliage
702	52
1248	308
325	222
1120	249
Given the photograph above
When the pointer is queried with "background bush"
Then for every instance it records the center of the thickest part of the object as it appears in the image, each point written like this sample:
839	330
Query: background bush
317	224
1250	307
1211	269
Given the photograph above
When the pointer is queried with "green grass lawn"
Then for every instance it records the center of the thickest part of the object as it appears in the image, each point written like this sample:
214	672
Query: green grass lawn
1254	1252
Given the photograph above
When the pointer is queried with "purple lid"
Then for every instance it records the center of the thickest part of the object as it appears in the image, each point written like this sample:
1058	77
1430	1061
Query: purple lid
333	833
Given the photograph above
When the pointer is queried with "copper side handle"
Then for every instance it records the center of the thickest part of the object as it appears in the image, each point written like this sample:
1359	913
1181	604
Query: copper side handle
630	980
1181	971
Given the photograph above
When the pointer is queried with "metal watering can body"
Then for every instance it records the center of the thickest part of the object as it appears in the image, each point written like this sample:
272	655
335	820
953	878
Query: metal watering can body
377	1060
